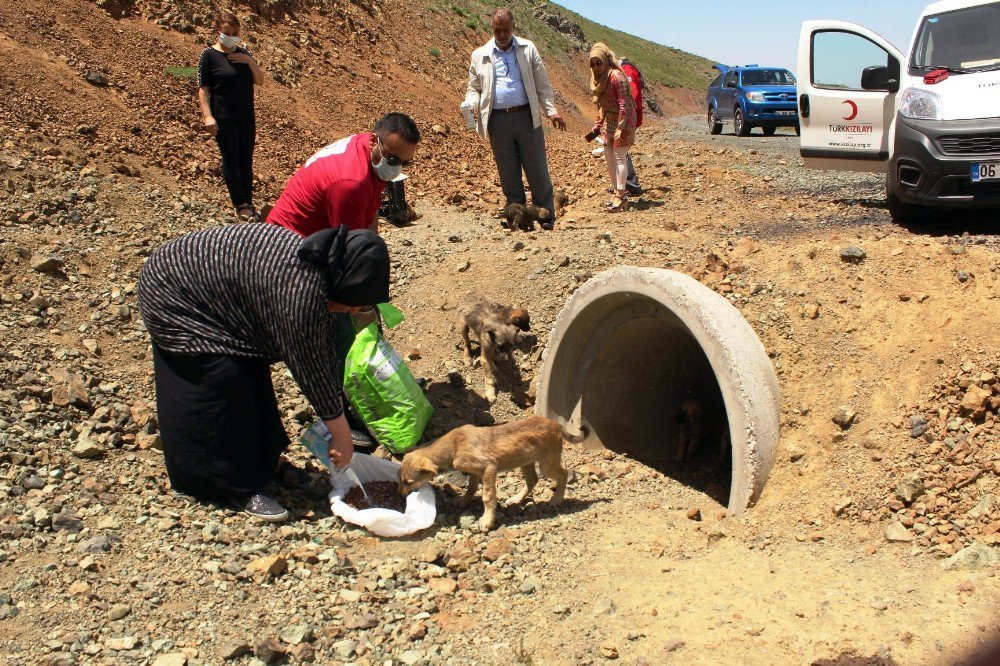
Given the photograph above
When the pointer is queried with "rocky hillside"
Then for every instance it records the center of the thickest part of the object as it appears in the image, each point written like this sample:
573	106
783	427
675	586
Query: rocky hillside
111	84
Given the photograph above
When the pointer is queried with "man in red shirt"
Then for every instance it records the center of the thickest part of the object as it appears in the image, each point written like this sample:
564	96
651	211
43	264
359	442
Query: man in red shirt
342	184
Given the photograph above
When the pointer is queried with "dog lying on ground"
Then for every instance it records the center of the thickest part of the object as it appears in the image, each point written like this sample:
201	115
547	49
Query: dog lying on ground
483	452
694	426
496	327
523	216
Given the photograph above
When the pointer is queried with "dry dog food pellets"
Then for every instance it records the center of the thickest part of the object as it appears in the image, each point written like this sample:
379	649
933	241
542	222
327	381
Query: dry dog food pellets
381	495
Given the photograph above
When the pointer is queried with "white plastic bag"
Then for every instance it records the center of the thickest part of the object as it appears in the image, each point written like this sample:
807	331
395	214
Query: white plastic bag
420	507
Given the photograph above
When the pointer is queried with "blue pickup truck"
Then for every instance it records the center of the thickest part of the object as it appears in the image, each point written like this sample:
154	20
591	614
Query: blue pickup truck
752	96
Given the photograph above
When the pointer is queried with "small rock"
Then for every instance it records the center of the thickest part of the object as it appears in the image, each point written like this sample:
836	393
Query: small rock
172	659
910	488
529	586
66	522
604	606
840	507
411	657
879	604
98	544
694	514
86	447
844	417
983	507
852	254
463	266
443	585
896	533
976	556
345	649
96	78
297	633
121	644
363	621
269	651
271	565
609	651
974	402
918	426
497	548
674	644
234	649
119	611
91	345
47	264
962	276
413	354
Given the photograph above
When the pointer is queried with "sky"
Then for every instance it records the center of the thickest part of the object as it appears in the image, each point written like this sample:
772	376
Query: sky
739	33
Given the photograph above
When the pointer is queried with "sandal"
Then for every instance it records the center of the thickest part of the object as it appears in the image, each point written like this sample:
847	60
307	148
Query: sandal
618	205
248	214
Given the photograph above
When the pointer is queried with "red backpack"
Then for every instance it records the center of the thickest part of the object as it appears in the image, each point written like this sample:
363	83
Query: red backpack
635	83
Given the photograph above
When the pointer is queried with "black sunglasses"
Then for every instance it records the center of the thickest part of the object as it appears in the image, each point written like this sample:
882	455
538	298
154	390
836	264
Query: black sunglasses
393	160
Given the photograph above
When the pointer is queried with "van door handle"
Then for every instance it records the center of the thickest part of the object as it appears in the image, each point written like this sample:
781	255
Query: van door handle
804	105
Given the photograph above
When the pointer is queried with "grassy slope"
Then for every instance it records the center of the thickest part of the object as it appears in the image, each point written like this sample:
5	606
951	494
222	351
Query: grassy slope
660	64
663	64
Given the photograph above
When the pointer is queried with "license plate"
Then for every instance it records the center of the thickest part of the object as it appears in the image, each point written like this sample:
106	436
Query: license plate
784	113
985	171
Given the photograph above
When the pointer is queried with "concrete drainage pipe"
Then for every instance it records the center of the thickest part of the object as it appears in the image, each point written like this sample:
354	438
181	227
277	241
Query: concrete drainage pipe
632	344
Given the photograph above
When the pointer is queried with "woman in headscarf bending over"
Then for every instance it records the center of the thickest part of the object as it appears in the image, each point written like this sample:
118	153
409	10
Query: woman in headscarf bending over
615	117
221	305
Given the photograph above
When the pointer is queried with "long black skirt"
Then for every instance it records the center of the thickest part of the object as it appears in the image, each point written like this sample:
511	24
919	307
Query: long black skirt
220	425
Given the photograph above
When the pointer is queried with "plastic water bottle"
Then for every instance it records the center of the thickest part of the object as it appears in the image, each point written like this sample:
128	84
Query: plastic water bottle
316	438
468	114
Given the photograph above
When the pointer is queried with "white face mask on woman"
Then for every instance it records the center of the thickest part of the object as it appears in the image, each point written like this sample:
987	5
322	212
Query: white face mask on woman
228	41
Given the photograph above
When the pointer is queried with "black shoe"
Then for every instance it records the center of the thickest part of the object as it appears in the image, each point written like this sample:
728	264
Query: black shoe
548	226
632	189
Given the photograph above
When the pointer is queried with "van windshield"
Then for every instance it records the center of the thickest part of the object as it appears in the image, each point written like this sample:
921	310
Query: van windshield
964	39
768	77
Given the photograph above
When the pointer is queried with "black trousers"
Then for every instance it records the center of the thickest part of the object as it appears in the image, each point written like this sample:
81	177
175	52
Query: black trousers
220	425
236	139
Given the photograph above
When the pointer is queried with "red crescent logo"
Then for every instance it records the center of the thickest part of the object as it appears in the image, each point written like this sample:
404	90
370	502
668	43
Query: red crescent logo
854	110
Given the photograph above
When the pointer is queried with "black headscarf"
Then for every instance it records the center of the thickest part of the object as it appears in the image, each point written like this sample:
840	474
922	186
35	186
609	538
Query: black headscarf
355	264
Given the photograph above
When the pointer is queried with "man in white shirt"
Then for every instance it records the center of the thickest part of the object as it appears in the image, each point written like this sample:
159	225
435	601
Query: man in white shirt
508	90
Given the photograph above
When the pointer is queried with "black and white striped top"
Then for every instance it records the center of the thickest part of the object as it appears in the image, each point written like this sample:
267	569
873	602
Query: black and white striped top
241	291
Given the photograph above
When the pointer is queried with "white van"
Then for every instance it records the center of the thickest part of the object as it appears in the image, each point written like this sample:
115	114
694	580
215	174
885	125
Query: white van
930	121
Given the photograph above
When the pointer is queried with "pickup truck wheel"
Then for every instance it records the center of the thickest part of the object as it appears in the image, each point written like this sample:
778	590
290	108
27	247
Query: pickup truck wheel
900	211
740	123
714	124
769	131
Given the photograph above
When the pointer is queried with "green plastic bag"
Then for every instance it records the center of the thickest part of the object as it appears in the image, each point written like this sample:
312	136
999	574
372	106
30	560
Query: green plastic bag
382	390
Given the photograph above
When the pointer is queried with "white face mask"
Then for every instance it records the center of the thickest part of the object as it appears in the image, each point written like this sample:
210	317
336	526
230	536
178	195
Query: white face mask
384	170
228	41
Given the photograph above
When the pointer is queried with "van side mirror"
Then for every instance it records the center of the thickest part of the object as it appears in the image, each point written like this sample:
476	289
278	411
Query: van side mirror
877	77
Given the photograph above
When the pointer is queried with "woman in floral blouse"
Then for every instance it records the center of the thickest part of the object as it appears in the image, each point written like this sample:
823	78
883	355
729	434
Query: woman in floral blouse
615	116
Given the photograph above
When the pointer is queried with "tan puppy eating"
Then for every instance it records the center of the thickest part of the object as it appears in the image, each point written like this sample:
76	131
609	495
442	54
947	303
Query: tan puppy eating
484	452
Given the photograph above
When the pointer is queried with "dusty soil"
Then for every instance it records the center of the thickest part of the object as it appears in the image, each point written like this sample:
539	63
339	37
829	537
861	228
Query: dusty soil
101	563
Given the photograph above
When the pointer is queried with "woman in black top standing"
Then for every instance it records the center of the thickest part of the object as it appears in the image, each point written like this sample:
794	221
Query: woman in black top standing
227	74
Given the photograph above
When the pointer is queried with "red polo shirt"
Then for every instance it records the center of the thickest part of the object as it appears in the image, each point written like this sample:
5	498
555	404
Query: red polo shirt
335	186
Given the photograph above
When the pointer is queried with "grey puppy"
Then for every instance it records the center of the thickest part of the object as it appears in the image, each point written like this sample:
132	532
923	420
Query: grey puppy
496	327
